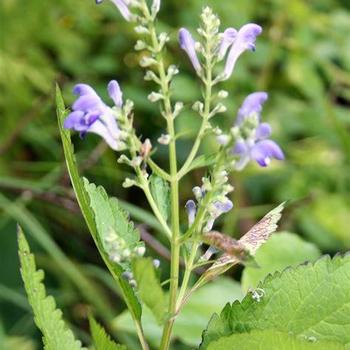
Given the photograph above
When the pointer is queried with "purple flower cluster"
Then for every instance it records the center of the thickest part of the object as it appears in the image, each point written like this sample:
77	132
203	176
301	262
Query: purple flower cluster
234	42
91	115
257	146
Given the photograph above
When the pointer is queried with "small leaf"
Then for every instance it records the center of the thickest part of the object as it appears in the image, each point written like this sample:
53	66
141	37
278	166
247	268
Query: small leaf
56	334
311	301
270	339
150	290
161	194
89	216
202	161
102	340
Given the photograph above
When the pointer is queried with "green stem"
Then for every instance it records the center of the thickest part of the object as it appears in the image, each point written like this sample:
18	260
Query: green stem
207	104
187	275
141	336
174	184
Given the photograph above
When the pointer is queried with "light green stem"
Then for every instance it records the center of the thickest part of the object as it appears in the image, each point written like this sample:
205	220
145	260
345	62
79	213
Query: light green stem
174	184
187	275
208	82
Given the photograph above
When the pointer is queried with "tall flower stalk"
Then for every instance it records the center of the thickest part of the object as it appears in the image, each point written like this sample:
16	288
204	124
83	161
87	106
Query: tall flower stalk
213	58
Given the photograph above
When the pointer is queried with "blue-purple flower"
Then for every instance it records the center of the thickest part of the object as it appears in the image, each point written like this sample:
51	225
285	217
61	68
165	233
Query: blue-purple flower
187	43
257	145
122	6
216	209
91	115
245	40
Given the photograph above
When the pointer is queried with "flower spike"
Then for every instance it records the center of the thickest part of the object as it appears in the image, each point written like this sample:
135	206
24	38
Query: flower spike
245	40
187	43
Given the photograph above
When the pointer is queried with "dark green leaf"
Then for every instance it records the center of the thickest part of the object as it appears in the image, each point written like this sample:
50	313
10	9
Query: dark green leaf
150	291
311	301
271	340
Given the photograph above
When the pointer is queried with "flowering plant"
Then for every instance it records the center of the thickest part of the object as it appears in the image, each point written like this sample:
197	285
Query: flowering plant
213	55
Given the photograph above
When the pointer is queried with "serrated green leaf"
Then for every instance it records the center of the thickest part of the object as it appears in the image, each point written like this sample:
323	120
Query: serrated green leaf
110	218
161	193
150	290
271	340
280	251
89	216
311	301
102	340
56	334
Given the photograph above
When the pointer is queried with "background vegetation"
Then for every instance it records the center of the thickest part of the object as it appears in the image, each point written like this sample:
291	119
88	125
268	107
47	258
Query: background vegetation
302	60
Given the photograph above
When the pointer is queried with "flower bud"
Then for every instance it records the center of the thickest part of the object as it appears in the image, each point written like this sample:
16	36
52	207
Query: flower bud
155	97
156	263
164	139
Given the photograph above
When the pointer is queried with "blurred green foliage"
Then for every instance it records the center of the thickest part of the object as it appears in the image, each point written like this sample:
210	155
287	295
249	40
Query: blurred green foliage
302	60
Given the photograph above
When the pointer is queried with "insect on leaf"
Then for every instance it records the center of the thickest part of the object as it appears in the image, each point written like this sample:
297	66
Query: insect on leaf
250	243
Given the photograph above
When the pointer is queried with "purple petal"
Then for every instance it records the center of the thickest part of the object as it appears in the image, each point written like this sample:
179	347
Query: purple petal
110	122
228	38
115	93
101	129
188	44
83	89
240	148
223	207
245	41
263	131
253	103
73	119
123	8
263	151
87	102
